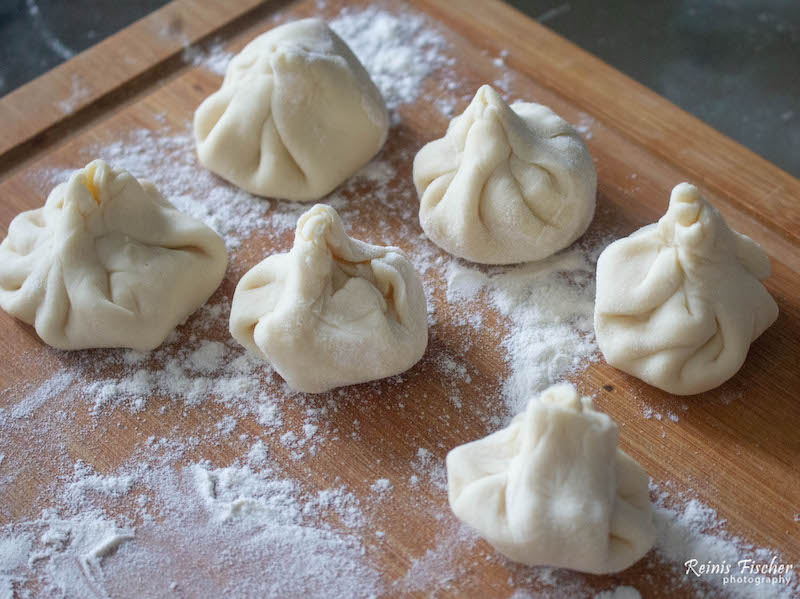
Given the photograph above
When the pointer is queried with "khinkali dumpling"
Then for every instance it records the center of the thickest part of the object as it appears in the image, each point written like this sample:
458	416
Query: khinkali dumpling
334	310
679	302
505	184
296	115
107	262
553	489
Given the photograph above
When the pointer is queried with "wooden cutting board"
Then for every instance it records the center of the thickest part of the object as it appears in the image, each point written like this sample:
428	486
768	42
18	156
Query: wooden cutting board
739	457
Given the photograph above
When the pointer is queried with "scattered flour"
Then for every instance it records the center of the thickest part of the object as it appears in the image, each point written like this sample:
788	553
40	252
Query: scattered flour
688	529
221	517
549	305
52	387
214	57
185	370
238	492
429	468
399	52
87	481
70	551
584	126
464	282
382	485
438	567
79	93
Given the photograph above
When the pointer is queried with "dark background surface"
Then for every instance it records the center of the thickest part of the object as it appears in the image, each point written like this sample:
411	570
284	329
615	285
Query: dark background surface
733	63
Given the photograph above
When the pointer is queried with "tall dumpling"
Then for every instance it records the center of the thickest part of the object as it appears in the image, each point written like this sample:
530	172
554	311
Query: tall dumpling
296	115
506	184
107	262
553	489
679	302
334	310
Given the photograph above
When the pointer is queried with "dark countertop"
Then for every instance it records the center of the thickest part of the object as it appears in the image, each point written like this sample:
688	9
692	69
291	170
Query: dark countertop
733	63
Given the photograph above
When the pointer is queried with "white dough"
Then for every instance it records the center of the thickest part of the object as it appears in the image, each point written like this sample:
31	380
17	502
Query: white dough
505	184
107	262
333	311
679	302
553	489
296	115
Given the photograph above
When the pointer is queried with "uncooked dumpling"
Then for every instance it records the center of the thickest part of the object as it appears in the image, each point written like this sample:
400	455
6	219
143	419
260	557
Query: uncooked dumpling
333	311
679	302
505	184
553	489
296	115
107	262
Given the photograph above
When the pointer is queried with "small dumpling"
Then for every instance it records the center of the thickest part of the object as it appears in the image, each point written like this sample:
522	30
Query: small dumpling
553	489
334	310
107	262
506	184
679	302
296	115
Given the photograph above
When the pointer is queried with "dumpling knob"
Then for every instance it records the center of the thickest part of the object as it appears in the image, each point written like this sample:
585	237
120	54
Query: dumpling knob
687	202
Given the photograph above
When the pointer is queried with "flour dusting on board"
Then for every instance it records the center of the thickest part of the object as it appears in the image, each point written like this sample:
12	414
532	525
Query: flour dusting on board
278	515
549	305
78	94
212	56
399	53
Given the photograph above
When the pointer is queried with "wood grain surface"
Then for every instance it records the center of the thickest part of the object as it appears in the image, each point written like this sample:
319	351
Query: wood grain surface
736	448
